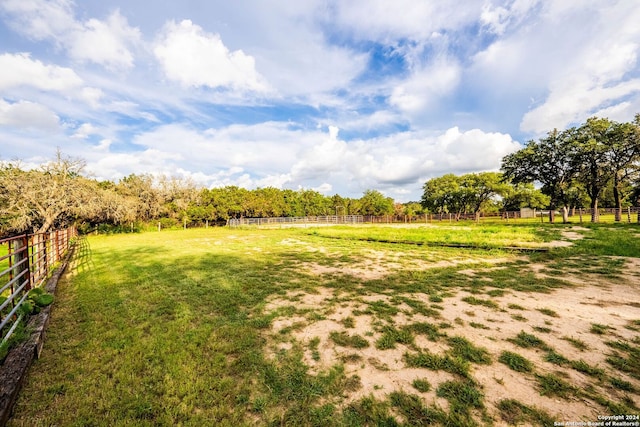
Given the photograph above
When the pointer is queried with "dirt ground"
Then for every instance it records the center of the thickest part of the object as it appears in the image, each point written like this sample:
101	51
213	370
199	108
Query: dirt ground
565	314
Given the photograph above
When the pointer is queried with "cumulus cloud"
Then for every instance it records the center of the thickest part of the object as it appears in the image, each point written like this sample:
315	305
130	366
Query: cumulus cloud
28	115
426	85
104	42
20	70
193	57
276	155
107	43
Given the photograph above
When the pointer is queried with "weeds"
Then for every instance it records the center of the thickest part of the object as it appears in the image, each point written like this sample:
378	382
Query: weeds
479	301
422	385
516	413
345	340
526	340
577	343
516	362
548	312
552	385
464	349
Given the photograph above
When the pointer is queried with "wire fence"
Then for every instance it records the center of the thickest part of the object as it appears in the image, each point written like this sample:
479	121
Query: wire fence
299	221
576	215
26	262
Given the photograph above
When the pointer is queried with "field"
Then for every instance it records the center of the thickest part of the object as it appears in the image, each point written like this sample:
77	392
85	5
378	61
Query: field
343	326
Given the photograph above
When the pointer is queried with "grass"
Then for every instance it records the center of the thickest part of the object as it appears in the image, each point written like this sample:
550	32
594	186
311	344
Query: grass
515	413
345	340
577	343
464	349
548	312
516	362
479	301
175	328
553	385
487	236
526	340
390	336
599	329
422	385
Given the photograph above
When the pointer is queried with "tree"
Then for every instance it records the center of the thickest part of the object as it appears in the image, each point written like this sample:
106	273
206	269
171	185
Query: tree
550	162
624	153
56	194
148	199
523	195
592	144
375	203
440	194
480	188
469	193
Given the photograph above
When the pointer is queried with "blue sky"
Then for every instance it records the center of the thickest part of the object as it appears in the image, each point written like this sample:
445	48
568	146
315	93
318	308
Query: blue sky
336	96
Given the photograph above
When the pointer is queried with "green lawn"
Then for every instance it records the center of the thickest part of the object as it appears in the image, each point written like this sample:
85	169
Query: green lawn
175	328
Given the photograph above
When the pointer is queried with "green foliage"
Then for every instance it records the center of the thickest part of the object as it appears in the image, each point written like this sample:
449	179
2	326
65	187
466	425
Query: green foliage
422	385
516	413
464	349
577	343
462	395
468	193
553	385
40	297
434	362
516	362
526	340
345	340
479	301
390	336
412	409
548	312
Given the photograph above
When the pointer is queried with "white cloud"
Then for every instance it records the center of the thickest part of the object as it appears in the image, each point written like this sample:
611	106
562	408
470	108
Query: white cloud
193	57
40	19
281	157
92	96
582	72
20	70
28	115
427	85
386	21
84	131
497	19
106	43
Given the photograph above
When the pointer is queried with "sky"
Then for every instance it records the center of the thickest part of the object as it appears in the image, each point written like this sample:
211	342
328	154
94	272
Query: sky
334	96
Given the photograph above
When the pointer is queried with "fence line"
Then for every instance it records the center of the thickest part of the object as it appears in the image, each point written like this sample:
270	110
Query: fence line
629	214
297	220
26	262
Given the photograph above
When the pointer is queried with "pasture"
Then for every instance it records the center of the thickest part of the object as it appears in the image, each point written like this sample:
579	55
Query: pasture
343	326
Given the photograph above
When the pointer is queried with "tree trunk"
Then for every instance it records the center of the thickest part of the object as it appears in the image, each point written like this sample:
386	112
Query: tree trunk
565	214
595	216
616	198
552	214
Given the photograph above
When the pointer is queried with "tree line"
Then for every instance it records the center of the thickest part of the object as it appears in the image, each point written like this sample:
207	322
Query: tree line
577	167
59	193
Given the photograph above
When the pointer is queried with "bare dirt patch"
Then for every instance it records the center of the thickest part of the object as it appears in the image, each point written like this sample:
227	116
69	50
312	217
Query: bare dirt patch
556	318
386	263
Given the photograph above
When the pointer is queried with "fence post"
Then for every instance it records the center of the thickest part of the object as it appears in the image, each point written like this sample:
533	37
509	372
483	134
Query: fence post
21	259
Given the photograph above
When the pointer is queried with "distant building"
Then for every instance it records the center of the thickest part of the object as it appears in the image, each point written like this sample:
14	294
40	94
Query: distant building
527	213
